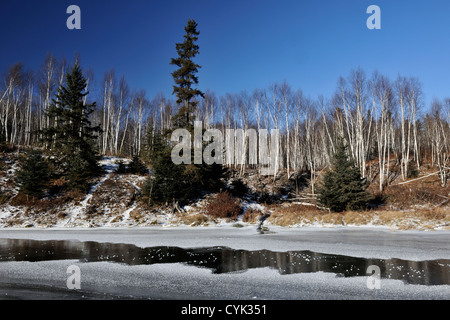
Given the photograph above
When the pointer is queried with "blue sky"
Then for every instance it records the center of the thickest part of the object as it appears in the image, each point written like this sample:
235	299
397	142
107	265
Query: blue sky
244	44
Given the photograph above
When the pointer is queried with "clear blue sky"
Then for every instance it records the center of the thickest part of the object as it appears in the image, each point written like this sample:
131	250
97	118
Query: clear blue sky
244	44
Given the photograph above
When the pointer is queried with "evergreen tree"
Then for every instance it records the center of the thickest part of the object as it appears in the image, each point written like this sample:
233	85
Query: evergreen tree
238	188
121	167
206	177
72	138
173	183
170	183
185	77
343	188
33	175
136	166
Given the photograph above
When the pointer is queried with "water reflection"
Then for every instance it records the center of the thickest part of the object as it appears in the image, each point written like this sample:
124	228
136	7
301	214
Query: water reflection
224	260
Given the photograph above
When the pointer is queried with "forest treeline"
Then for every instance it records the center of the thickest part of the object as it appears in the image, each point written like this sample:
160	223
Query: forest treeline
389	130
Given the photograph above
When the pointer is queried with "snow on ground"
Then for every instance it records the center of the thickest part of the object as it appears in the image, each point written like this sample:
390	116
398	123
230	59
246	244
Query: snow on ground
109	164
81	208
76	213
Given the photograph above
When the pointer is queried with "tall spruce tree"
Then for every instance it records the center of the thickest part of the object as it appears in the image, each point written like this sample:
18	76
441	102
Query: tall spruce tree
173	183
343	187
185	77
72	138
200	176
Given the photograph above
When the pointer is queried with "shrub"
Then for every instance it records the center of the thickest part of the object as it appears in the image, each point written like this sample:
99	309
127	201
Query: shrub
238	188
224	206
136	166
412	172
121	167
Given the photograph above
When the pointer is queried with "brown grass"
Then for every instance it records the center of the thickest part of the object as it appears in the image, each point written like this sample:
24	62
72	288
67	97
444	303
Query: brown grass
413	219
194	220
136	215
113	193
44	206
332	218
358	218
415	193
252	216
294	215
422	219
116	219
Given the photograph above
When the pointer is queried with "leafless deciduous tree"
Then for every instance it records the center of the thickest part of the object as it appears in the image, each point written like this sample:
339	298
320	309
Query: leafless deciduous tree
381	121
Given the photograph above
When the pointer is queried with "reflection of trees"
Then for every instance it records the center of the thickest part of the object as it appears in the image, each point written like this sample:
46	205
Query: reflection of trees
224	260
433	272
291	262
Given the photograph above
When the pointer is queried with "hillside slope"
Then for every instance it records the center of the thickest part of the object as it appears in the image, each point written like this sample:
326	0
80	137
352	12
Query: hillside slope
113	201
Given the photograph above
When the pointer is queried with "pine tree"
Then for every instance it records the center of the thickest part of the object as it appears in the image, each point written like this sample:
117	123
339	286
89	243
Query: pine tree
343	188
207	177
173	183
185	77
72	138
33	175
170	183
136	166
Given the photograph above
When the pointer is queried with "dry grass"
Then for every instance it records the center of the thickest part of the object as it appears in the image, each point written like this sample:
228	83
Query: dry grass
136	215
333	218
358	218
113	191
112	196
421	219
116	219
252	216
294	215
416	193
194	220
40	207
15	222
415	219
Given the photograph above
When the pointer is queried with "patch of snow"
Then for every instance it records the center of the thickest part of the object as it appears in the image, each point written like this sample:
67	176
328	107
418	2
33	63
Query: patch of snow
78	210
254	206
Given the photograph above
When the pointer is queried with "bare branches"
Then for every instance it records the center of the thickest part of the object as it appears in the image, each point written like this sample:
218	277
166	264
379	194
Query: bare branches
380	120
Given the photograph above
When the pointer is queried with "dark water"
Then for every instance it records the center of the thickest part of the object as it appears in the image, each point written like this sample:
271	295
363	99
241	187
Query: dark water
223	259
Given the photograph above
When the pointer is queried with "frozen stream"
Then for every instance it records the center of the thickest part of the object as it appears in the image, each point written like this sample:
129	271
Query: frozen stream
224	263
